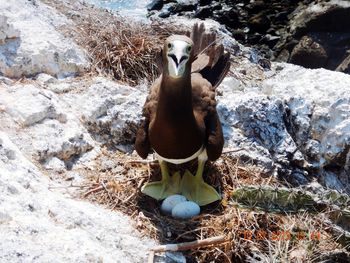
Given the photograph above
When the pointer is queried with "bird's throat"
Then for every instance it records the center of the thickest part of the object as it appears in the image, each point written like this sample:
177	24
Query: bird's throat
175	97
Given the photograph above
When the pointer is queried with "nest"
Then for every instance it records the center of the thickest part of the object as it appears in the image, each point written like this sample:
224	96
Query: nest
122	48
250	234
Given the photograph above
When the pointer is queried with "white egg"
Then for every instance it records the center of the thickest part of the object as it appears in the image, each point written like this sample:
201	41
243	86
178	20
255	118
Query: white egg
170	202
186	210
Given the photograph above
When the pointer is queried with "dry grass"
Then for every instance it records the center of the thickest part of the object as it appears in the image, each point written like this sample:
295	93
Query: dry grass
117	46
124	49
253	234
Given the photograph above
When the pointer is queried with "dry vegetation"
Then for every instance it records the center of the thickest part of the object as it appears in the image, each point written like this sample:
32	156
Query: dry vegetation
127	50
251	235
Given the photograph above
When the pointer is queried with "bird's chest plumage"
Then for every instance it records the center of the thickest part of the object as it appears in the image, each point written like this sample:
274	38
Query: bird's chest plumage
176	137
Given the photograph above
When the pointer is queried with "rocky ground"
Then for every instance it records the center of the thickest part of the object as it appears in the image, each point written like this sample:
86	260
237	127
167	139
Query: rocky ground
310	33
57	122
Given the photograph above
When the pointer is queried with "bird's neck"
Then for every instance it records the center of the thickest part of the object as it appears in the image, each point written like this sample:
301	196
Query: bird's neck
175	97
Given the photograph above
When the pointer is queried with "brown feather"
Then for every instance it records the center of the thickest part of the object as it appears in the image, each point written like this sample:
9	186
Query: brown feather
174	126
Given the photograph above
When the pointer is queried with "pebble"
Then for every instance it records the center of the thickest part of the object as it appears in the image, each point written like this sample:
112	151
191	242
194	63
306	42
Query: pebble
170	202
185	210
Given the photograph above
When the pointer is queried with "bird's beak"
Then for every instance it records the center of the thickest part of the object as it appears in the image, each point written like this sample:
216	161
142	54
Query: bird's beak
177	59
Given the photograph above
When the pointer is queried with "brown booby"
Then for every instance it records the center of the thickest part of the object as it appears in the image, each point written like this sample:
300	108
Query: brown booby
180	118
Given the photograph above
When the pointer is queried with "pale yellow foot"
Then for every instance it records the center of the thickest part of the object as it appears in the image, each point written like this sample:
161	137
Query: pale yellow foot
195	189
169	185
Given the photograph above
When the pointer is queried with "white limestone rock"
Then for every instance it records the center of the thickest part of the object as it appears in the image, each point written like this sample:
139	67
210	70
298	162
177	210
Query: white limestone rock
42	125
41	225
7	31
295	122
27	104
110	111
32	44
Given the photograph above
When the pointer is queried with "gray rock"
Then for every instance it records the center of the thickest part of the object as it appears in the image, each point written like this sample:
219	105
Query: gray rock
45	79
309	53
72	231
49	51
19	103
256	124
344	66
42	126
110	112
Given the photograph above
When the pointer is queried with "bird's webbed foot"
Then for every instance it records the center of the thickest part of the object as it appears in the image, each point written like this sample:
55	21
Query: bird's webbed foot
195	189
167	186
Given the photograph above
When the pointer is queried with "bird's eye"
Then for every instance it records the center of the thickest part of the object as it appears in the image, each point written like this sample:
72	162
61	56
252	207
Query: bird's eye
170	45
189	49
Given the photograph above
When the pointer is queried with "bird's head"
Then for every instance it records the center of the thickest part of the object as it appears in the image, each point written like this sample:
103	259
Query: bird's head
177	55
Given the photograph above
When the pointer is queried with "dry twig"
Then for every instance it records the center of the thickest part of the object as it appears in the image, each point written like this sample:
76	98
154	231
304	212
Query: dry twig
191	245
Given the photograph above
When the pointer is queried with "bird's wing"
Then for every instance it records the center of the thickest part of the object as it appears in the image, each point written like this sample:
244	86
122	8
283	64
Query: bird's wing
142	144
204	104
212	62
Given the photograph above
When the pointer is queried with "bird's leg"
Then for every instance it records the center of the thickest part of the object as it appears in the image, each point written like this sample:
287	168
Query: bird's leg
168	185
195	189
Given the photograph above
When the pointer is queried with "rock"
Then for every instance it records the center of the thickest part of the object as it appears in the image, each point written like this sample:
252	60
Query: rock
317	119
71	230
183	6
229	17
175	257
42	126
344	66
19	103
204	2
45	79
316	21
55	164
164	14
48	52
185	210
170	257
203	12
110	111
7	32
308	53
155	5
256	6
259	23
170	202
256	124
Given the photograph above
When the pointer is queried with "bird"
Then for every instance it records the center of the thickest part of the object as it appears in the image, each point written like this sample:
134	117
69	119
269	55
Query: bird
180	121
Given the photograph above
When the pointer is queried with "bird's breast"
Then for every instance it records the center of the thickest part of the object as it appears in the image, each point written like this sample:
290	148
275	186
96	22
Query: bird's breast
176	138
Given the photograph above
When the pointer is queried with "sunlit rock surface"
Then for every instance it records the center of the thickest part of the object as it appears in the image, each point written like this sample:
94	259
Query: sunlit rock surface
30	42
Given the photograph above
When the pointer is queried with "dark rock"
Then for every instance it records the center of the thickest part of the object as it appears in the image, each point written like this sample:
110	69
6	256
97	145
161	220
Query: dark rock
259	23
282	16
164	14
205	2
228	17
155	5
256	6
344	66
203	12
333	18
276	28
183	6
255	39
270	40
239	34
308	53
265	63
